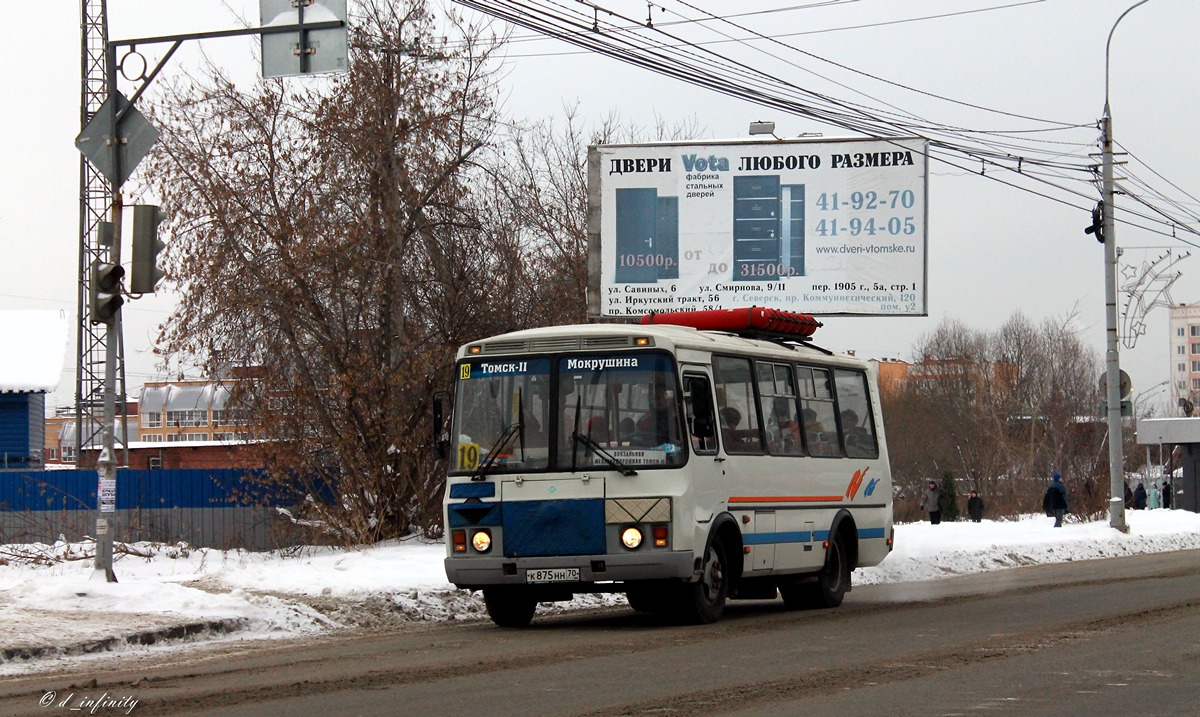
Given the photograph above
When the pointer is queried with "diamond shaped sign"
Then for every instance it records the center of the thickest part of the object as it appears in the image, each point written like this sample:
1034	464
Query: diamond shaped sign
135	134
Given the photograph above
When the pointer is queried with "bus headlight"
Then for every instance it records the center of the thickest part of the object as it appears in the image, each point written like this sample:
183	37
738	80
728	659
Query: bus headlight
481	541
631	537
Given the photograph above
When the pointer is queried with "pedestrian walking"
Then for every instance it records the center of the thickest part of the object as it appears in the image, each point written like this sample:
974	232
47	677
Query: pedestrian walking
1139	497
1152	498
1128	497
1055	501
931	502
1166	495
975	507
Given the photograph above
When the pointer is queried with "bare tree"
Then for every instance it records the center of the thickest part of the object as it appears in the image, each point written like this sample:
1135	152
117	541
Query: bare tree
342	240
333	236
543	175
1001	409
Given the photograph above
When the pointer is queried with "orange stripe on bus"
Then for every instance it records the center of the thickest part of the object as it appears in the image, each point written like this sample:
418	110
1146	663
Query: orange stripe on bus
785	498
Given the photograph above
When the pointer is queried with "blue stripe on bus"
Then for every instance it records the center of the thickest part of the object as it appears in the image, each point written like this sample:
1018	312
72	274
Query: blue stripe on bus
800	536
473	490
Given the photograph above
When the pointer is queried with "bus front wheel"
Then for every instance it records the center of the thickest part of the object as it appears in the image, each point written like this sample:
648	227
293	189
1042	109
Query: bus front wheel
509	607
704	600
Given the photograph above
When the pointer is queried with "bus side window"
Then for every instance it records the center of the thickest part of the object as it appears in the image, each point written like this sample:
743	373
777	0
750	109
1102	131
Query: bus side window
817	412
858	427
737	406
778	402
701	420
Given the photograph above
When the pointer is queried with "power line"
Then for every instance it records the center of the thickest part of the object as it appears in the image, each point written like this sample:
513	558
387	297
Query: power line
1044	162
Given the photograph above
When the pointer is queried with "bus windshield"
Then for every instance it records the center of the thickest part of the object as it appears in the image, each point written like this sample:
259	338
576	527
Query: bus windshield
502	414
627	405
567	413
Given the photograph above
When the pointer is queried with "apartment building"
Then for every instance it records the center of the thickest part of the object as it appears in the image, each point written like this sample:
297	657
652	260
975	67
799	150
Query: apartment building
1185	352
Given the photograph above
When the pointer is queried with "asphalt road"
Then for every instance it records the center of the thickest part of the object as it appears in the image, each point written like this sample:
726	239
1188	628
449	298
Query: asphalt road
1109	637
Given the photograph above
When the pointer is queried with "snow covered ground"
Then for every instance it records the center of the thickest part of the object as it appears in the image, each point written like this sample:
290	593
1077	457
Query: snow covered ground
49	596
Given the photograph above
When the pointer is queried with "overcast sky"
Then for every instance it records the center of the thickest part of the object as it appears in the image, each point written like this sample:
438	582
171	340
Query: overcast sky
992	250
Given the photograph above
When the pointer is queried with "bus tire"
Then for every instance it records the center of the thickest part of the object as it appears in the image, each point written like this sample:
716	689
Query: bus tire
703	601
830	587
509	607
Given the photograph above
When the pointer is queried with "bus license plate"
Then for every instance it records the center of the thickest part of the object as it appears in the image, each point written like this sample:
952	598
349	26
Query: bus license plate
552	575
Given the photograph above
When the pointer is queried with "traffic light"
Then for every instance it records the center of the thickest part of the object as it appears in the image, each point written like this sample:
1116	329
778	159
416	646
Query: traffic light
105	289
1097	227
145	274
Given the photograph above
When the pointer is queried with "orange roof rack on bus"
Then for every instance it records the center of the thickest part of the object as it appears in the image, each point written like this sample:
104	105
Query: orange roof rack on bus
755	321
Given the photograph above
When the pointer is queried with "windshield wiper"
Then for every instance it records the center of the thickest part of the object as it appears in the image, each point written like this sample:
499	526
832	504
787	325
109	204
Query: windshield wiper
494	452
604	455
516	429
577	438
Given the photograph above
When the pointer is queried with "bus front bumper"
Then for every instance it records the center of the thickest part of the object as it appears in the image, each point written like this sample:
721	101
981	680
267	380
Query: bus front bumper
477	572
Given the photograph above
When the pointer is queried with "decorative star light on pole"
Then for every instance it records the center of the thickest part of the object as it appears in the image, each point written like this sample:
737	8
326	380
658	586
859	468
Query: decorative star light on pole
1149	286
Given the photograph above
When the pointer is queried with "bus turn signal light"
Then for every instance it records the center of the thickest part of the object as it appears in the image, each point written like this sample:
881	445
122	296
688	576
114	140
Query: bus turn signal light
660	536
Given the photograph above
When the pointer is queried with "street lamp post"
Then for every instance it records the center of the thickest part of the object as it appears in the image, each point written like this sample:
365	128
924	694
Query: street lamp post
1116	447
1147	392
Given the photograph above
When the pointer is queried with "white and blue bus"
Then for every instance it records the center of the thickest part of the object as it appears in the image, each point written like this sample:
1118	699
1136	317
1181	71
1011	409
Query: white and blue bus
691	459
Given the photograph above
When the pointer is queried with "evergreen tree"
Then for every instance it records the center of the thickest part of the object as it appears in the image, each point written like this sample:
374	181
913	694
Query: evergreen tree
948	501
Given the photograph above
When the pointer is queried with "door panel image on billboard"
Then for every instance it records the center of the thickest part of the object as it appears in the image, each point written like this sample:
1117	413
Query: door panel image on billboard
755	228
768	228
647	236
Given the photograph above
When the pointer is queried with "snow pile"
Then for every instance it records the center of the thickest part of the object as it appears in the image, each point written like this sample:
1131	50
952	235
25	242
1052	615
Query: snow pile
928	552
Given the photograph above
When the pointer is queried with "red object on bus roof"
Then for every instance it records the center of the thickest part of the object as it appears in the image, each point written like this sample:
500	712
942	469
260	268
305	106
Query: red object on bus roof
754	320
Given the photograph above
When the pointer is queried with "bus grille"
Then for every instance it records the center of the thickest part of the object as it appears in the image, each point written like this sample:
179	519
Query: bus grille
537	528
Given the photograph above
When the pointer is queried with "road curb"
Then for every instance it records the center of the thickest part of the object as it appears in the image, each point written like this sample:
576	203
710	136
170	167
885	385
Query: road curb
170	633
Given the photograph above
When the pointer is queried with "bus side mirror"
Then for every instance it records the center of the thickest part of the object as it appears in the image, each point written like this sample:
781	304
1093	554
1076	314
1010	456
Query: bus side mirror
441	439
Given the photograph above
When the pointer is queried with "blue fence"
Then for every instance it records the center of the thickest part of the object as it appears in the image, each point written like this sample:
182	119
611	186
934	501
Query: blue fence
209	508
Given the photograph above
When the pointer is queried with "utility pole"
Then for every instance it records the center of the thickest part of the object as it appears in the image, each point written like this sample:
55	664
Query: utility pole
1116	440
114	138
1112	361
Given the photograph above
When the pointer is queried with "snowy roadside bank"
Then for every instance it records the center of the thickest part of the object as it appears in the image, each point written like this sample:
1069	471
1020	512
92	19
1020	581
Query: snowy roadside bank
48	596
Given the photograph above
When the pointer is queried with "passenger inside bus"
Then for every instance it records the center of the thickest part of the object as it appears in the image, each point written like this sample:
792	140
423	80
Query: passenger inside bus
598	430
658	424
784	430
821	442
736	438
856	436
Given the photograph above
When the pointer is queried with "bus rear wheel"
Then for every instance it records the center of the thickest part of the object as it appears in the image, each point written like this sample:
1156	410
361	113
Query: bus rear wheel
509	607
829	589
703	601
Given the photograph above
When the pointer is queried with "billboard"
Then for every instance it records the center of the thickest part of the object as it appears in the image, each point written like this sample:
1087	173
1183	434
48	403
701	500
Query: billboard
818	226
